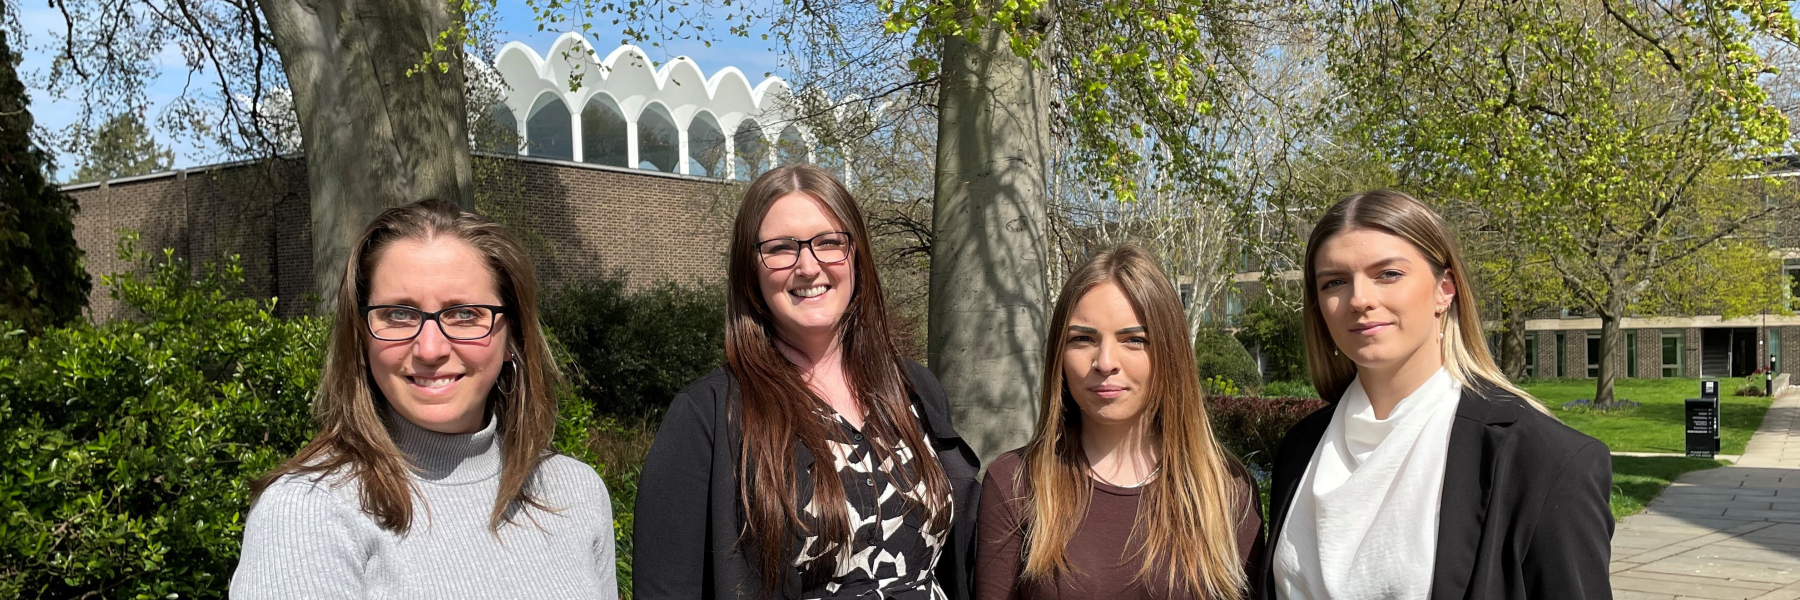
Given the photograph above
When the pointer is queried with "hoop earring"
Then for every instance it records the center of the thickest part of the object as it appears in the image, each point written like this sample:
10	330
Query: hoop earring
515	371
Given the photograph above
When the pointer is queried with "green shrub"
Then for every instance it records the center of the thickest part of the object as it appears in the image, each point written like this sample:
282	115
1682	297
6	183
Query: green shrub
1252	427
1274	327
128	448
1219	354
633	351
1289	389
125	463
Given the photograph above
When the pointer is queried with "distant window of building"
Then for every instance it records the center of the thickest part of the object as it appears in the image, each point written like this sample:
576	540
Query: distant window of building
706	147
603	133
1561	343
547	132
1593	354
1531	361
1671	353
1631	354
659	143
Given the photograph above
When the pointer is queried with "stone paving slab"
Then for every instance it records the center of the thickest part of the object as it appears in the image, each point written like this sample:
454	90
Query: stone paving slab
1726	533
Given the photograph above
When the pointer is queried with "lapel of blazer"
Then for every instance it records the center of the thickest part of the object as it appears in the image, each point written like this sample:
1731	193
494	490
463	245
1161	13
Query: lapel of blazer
1468	482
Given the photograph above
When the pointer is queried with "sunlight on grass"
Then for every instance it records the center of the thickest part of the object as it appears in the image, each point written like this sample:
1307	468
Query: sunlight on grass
1657	425
1636	480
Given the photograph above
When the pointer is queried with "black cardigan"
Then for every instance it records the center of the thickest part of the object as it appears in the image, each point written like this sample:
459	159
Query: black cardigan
1524	512
688	517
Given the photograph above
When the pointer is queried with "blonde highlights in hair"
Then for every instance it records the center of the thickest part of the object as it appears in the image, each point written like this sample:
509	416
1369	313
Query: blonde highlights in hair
1186	522
1465	355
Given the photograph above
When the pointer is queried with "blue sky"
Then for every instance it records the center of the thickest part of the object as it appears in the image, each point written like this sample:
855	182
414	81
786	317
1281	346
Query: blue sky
516	24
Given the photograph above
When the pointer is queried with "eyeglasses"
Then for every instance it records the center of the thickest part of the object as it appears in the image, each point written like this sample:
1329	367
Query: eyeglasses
464	322
828	248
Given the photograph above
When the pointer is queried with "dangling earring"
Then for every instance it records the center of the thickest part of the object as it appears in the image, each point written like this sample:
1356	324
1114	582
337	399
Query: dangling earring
1334	351
515	372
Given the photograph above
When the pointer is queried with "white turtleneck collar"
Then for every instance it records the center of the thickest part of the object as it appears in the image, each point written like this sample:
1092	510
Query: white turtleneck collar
1363	523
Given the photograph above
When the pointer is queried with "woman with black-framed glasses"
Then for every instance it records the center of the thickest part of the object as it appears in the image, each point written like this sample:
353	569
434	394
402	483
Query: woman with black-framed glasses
817	463
433	474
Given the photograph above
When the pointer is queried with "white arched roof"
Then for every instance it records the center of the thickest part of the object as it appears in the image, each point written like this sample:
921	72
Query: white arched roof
627	75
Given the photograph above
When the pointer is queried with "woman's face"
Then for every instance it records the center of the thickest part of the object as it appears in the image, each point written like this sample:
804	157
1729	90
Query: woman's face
808	297
1106	357
1379	298
436	382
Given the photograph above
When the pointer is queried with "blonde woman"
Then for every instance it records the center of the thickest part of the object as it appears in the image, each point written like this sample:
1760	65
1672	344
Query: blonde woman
1122	491
1430	476
432	475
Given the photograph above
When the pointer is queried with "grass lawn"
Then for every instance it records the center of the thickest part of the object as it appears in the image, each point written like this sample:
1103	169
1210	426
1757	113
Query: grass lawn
1657	425
1638	479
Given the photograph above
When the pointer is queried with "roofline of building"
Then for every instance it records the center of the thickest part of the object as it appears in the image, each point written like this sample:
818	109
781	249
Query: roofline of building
75	187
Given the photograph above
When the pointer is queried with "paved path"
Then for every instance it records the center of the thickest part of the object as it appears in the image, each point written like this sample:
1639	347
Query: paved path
1731	532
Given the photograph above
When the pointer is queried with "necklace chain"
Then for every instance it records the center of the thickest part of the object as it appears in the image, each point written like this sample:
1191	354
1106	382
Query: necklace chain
1140	482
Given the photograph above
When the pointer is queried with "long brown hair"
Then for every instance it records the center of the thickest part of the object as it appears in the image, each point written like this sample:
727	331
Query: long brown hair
353	436
1187	521
780	410
1465	354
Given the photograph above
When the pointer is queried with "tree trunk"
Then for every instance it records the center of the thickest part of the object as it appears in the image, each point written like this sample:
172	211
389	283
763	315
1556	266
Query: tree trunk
373	137
1609	340
1512	344
989	250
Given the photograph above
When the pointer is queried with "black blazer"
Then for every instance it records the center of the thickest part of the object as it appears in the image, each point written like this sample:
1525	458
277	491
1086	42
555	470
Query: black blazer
688	517
1524	512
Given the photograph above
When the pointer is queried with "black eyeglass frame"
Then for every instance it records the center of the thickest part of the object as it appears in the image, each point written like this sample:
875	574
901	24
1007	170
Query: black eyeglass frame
807	245
432	316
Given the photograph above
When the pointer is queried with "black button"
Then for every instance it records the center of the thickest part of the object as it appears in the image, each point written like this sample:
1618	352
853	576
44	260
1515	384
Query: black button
871	481
856	436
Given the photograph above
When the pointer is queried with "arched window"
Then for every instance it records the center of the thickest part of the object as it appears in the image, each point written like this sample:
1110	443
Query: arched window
499	133
751	150
791	147
706	147
547	132
659	144
603	133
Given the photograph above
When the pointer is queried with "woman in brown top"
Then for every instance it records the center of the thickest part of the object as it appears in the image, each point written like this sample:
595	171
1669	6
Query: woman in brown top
1122	491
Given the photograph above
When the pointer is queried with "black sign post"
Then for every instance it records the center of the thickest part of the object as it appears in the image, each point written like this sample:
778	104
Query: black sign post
1703	421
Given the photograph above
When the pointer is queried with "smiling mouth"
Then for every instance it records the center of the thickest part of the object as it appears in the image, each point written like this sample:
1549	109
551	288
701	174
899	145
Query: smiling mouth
810	292
432	383
1365	328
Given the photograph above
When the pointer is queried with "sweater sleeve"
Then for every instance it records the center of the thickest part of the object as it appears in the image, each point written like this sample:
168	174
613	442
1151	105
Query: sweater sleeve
669	551
1571	545
606	553
298	543
999	542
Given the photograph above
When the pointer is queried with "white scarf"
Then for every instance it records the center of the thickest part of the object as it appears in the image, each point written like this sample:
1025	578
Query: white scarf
1363	523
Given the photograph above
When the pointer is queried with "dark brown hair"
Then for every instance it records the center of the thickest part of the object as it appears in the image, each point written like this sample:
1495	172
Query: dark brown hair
1187	528
1465	353
353	436
779	410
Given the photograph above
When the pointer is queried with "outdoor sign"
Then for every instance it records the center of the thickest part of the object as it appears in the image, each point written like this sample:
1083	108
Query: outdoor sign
1703	421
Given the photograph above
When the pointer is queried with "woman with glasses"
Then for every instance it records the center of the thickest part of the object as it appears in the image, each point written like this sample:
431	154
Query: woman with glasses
816	463
1122	491
1429	475
433	474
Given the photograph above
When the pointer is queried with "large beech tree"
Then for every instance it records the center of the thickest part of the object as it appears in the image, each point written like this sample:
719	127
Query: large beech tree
1609	140
379	125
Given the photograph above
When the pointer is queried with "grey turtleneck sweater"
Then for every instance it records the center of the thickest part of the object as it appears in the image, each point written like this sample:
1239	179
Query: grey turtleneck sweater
307	537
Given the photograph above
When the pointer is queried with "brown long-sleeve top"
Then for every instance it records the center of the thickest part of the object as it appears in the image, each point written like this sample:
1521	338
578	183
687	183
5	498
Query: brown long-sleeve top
1105	561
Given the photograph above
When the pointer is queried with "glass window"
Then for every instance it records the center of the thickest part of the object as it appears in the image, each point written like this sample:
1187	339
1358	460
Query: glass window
603	133
791	148
1561	343
1531	355
500	134
547	132
706	147
659	144
1631	354
1593	355
750	150
1671	354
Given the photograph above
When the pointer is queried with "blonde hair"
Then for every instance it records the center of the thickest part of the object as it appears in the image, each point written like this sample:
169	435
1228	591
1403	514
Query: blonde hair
1395	213
1187	521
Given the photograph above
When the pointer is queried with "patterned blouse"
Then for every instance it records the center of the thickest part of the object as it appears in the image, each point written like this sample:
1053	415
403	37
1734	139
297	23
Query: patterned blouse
892	556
